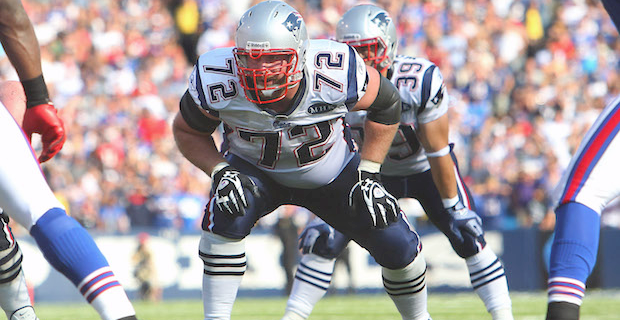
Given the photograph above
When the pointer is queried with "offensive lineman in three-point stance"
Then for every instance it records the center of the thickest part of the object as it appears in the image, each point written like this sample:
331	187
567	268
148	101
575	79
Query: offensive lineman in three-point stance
282	99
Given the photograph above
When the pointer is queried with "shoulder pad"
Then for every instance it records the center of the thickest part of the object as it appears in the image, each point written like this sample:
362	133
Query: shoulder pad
213	82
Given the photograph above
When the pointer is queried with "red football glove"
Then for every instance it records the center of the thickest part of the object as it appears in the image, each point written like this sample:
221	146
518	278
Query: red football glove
44	120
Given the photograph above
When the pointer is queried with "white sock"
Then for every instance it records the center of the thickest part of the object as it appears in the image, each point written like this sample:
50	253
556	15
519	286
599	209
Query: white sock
407	288
563	289
501	314
291	315
312	280
14	295
489	282
117	298
14	292
106	294
224	265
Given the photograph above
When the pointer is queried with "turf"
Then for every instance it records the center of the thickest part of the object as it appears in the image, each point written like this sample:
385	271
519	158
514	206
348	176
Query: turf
599	305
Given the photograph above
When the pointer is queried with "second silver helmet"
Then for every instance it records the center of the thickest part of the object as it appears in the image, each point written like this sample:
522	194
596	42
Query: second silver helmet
372	32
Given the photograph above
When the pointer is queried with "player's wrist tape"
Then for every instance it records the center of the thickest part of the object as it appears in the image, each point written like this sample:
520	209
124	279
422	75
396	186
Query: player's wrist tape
369	166
36	91
219	167
439	153
450	202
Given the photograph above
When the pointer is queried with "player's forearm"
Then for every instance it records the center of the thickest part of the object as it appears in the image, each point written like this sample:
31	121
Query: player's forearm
19	40
434	137
442	170
198	148
377	140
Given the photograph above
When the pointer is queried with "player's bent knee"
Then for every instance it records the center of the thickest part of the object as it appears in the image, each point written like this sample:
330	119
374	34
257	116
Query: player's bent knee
53	218
396	259
394	247
229	226
330	248
470	247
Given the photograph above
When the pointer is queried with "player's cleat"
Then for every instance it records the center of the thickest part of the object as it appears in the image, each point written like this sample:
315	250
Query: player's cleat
562	311
129	318
25	313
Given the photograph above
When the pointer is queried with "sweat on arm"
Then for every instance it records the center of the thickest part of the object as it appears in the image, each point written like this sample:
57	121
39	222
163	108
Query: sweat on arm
195	118
386	108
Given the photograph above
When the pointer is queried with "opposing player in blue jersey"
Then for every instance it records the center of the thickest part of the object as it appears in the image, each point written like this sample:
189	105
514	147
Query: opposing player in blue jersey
25	195
587	186
282	99
419	165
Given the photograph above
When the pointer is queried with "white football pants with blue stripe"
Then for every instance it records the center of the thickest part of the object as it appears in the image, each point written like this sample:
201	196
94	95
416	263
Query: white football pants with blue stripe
26	197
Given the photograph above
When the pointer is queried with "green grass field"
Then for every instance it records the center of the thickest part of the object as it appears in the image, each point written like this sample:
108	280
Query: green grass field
598	305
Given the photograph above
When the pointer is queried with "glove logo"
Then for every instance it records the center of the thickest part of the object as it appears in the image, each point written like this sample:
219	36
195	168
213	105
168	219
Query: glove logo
378	193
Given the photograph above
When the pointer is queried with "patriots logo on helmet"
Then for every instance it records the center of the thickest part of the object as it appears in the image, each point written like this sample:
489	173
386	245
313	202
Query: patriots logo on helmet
382	20
293	24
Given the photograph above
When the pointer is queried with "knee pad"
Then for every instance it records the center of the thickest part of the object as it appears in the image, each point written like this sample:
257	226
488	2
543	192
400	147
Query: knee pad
393	247
216	221
330	247
232	227
322	239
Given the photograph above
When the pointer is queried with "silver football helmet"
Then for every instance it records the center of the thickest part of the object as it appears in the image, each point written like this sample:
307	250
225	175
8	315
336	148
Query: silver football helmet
371	31
270	50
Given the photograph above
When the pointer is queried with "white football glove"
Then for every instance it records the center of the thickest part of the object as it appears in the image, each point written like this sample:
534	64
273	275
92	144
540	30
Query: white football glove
230	185
370	195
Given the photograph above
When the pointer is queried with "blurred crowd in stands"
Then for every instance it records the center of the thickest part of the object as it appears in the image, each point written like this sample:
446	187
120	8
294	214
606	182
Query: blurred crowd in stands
526	79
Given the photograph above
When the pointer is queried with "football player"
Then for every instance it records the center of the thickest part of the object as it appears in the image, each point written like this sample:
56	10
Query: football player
420	165
282	99
586	188
584	191
25	195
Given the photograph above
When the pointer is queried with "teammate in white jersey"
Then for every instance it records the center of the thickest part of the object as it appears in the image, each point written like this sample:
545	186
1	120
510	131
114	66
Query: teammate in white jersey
420	165
282	99
588	185
25	195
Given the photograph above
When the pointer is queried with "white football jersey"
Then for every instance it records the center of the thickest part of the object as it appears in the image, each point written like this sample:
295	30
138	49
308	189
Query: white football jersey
304	148
422	92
